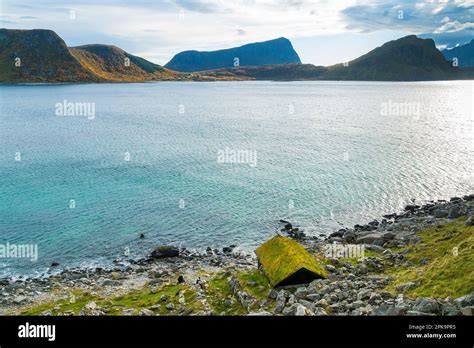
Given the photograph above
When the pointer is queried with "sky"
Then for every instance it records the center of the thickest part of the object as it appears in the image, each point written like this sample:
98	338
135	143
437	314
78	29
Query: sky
323	32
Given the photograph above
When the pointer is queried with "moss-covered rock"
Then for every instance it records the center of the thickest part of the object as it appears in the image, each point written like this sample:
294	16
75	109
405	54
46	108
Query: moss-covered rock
286	262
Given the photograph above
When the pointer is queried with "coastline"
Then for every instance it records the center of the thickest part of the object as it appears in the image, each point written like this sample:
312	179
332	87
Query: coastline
228	282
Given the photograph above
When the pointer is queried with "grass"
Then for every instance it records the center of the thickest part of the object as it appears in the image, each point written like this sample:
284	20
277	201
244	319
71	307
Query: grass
280	257
255	283
447	252
135	299
218	291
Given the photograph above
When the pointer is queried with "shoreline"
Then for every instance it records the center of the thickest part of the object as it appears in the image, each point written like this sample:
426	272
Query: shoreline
168	266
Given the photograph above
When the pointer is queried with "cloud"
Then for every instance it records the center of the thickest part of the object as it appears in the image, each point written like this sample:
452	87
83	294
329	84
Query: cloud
161	28
416	17
452	27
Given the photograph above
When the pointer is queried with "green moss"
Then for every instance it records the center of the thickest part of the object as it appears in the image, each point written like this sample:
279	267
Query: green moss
218	292
145	298
135	299
75	302
447	252
281	257
254	283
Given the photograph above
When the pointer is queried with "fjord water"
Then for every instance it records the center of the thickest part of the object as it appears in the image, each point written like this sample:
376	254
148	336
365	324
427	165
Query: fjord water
327	154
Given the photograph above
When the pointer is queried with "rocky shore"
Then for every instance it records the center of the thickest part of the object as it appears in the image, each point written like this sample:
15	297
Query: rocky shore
398	273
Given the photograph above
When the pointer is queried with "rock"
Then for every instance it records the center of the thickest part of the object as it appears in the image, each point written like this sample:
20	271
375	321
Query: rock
369	238
146	312
19	299
170	306
339	233
180	279
465	301
115	276
375	298
411	207
128	311
396	311
297	309
320	311
405	286
448	309
469	221
417	313
388	235
280	301
313	297
375	248
427	305
467	310
260	314
142	235
165	251
440	213
55	264
91	306
331	269
364	294
300	293
454	212
164	298
272	294
469	197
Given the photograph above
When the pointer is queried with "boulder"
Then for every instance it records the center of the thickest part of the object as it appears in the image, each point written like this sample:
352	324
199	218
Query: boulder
370	238
469	221
427	305
454	212
165	251
440	213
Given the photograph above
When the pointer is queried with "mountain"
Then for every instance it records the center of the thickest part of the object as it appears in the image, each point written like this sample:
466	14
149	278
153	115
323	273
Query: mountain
406	59
464	54
38	56
114	64
278	51
44	57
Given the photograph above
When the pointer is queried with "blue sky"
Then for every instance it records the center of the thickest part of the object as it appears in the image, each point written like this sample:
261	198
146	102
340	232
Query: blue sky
323	32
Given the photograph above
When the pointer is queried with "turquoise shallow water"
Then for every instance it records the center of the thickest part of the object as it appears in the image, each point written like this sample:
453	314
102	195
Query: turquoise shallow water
326	155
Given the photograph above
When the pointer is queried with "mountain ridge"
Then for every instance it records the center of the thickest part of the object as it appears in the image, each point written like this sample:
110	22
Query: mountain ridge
44	57
464	54
276	51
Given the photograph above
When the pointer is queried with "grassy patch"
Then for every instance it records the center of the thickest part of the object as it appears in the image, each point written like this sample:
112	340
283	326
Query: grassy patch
136	300
220	298
255	283
443	262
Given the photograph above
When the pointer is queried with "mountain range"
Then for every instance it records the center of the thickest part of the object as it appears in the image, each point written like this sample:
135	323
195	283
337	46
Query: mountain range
278	51
464	54
42	56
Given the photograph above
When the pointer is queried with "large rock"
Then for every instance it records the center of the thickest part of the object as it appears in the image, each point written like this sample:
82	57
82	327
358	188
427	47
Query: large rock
165	251
369	238
427	305
454	212
467	300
